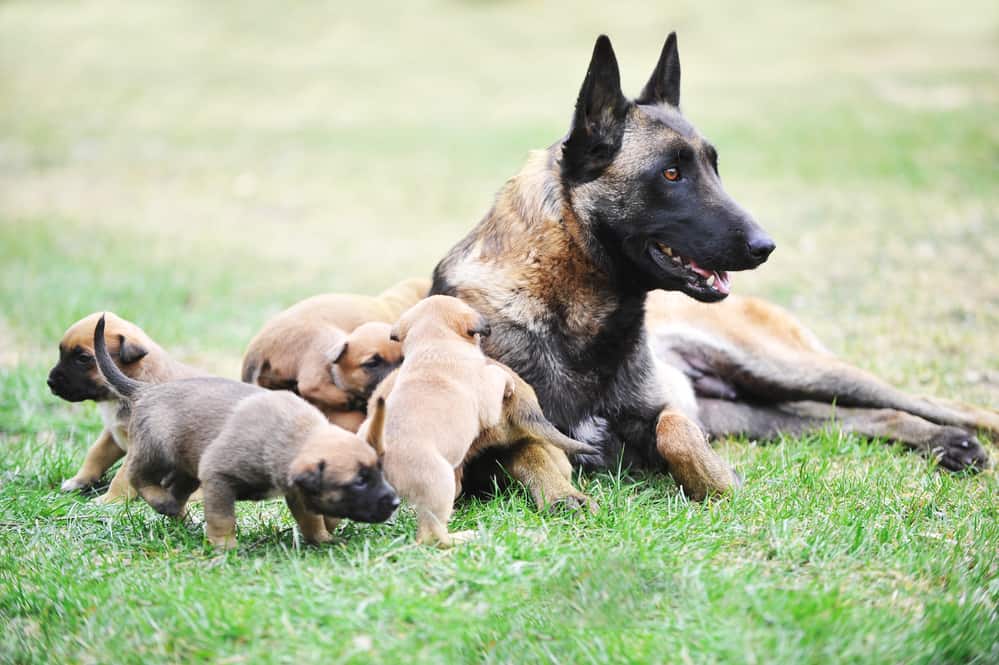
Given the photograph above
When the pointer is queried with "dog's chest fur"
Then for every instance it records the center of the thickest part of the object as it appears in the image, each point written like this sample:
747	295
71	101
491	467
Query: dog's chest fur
562	325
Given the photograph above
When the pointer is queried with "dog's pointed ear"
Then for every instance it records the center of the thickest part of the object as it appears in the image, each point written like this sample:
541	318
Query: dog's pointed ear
664	84
308	477
129	352
338	351
598	122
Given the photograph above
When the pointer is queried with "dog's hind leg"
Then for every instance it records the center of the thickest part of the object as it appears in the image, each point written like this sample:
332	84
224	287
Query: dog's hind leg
954	448
540	468
764	367
119	488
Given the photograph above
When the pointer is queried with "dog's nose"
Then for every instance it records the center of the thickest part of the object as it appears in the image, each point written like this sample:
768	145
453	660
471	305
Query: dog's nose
51	382
760	247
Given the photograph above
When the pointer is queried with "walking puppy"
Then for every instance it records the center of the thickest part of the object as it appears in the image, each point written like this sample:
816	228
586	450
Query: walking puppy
242	442
444	396
332	349
75	378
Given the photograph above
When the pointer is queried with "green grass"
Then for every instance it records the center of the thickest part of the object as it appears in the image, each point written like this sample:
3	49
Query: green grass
197	167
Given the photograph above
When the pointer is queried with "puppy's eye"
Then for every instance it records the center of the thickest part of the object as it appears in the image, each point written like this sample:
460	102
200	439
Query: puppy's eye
372	362
672	174
83	359
361	481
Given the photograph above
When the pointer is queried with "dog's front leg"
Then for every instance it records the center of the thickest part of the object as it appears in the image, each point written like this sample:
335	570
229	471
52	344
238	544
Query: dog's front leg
695	466
120	488
100	457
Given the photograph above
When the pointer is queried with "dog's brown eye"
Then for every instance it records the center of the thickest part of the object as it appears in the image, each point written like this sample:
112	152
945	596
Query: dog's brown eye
672	174
373	361
83	359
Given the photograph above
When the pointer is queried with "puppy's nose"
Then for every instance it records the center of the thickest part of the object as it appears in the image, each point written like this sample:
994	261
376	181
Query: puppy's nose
51	382
760	247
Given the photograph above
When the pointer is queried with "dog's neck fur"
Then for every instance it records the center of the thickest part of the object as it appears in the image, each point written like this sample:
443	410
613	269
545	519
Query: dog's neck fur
561	318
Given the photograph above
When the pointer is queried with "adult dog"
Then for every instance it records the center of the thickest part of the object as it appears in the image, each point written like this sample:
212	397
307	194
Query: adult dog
630	201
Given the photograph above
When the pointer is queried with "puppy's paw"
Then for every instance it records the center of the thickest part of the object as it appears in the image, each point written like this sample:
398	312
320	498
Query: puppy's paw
318	538
956	450
462	537
224	543
78	483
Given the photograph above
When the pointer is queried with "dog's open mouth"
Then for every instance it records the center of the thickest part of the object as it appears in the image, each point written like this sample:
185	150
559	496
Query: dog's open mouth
697	277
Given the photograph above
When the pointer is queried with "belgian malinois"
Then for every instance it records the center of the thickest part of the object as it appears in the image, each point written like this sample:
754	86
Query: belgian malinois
628	202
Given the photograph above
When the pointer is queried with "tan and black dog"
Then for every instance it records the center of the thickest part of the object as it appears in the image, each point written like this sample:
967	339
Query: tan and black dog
76	378
628	202
241	442
332	349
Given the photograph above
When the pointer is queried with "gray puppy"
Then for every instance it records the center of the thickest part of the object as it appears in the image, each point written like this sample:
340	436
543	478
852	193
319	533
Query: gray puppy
241	442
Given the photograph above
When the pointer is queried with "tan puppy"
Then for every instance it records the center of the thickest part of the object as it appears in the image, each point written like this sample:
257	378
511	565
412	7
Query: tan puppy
445	394
332	349
522	421
75	378
244	443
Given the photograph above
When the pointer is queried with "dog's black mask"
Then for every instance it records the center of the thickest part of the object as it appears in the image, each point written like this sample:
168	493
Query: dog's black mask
75	377
646	184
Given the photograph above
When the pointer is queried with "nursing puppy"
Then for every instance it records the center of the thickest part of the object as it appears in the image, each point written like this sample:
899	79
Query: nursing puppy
75	378
242	442
444	395
522	422
332	349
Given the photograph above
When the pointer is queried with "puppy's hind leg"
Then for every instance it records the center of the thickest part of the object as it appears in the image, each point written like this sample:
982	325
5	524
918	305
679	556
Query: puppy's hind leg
434	503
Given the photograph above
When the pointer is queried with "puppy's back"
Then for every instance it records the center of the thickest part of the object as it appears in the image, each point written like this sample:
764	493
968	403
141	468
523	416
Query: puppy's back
176	420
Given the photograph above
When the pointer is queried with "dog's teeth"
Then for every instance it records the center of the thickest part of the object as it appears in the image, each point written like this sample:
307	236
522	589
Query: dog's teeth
711	280
668	250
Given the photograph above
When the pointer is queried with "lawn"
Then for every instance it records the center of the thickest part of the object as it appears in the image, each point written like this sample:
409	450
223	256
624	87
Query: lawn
196	167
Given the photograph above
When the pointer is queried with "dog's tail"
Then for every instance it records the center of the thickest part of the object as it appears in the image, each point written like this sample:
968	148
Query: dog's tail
123	385
532	420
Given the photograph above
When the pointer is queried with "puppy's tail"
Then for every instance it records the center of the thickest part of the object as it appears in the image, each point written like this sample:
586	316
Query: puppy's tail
122	384
534	423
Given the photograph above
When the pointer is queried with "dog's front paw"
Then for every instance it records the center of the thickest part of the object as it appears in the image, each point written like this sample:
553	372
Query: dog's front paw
78	483
956	450
574	503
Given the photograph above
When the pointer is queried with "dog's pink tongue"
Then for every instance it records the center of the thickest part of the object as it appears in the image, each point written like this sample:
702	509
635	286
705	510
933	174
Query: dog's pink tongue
722	282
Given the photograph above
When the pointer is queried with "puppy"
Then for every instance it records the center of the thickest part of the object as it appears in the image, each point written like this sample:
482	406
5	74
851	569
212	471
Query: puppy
241	442
443	396
522	421
332	349
75	378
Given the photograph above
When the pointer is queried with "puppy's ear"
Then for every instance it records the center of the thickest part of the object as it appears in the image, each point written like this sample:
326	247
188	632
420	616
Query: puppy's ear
376	427
398	332
664	84
598	122
338	351
308	477
130	352
479	326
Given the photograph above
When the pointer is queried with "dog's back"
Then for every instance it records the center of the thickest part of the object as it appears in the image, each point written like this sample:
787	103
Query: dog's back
173	422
